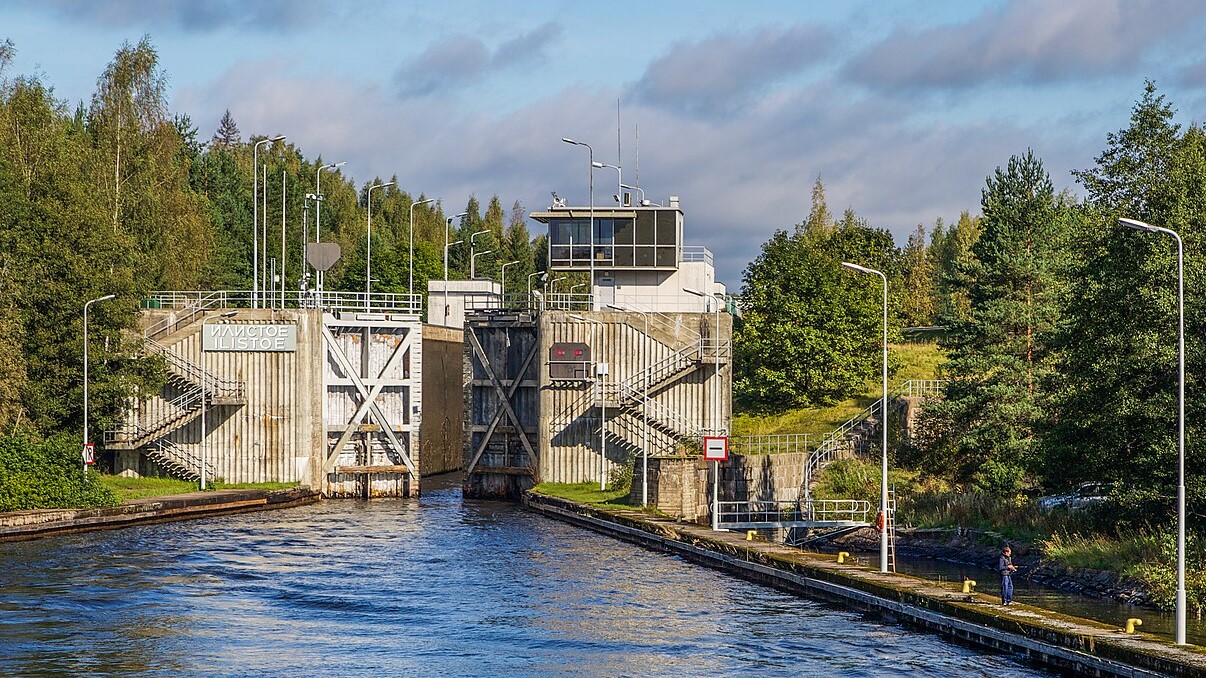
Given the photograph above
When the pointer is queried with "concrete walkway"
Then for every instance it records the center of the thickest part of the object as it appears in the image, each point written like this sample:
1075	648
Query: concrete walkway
1066	643
20	525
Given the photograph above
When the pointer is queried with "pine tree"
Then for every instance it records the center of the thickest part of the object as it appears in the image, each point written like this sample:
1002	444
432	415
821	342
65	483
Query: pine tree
998	362
228	135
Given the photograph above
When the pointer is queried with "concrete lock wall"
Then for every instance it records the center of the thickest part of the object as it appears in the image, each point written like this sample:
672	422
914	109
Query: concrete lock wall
683	487
681	404
442	447
268	435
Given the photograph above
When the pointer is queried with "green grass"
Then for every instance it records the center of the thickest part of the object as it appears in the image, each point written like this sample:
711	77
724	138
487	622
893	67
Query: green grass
586	493
129	489
914	360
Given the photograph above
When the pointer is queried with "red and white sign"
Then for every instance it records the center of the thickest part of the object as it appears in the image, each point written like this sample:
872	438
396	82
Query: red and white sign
716	448
89	453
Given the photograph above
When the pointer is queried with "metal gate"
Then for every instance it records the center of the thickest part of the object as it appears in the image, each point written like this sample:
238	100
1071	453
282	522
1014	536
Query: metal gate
502	404
372	381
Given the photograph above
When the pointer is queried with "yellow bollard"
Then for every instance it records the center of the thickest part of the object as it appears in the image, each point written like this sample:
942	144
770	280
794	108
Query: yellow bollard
842	556
1132	623
968	585
749	534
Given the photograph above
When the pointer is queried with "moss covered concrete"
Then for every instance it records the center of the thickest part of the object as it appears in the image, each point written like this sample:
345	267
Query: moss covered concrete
1081	646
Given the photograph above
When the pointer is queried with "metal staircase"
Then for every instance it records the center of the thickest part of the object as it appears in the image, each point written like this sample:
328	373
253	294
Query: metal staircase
192	388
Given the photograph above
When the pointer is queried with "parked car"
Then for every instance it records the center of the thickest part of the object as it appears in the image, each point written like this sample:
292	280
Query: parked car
1086	494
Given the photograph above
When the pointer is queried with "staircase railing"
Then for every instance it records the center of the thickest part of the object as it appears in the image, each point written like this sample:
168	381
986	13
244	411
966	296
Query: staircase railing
178	460
208	381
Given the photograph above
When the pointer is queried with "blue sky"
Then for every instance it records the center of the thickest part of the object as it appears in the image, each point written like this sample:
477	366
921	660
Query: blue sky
901	108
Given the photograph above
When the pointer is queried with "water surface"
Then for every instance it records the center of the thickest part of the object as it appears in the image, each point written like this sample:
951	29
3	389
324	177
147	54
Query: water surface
425	587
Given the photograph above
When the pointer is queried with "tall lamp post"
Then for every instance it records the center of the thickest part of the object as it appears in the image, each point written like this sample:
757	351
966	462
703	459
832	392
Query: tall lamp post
883	424
503	271
1143	226
204	400
447	245
255	216
410	285
473	263
619	178
320	277
644	410
591	184
530	276
88	303
472	245
710	302
368	246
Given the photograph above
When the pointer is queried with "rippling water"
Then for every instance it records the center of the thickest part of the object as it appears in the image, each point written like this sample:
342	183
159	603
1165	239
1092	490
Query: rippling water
435	586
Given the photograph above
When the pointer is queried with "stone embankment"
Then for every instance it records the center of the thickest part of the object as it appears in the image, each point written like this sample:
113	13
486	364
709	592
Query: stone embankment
982	548
20	525
1081	646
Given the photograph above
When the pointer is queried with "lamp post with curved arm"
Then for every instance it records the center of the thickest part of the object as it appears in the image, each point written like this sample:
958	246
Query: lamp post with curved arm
368	245
472	258
619	178
410	285
255	218
1179	634
591	185
321	276
883	424
88	303
503	272
473	262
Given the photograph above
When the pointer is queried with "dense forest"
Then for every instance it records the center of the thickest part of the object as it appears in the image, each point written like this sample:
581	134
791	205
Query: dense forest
1059	324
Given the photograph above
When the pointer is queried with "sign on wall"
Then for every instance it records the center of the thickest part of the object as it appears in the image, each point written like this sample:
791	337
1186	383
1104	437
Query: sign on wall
244	337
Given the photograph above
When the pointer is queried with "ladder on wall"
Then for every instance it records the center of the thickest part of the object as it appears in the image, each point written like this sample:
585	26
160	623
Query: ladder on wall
890	526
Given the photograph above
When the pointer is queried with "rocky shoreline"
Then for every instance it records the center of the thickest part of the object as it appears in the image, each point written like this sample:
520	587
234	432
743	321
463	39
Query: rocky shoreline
982	548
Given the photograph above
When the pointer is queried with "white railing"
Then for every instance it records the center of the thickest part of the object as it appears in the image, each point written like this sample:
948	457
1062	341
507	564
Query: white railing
375	302
695	253
927	388
208	381
788	513
781	443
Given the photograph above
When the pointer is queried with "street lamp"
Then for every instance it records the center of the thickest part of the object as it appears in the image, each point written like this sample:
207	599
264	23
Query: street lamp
710	300
619	178
644	411
473	262
448	225
320	277
472	244
883	424
636	188
410	286
503	271
368	254
591	183
107	297
255	218
204	399
1142	226
530	276
601	378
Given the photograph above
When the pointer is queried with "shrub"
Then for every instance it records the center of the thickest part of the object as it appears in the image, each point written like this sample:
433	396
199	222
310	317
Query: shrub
45	473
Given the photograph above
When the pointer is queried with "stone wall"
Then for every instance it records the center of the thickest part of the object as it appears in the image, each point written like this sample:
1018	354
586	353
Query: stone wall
677	487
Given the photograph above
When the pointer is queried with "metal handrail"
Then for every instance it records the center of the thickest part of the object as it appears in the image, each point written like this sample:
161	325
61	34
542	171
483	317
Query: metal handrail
791	511
208	381
779	443
375	302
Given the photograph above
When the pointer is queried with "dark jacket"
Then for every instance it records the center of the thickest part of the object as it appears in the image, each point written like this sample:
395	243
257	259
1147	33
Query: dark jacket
1005	565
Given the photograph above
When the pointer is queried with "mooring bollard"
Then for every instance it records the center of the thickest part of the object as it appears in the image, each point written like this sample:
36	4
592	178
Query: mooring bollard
968	585
1132	623
842	556
750	534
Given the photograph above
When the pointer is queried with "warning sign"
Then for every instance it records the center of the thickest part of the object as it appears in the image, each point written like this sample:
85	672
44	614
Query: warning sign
89	453
716	448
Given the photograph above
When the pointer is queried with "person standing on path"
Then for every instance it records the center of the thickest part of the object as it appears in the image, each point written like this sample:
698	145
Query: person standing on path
1006	567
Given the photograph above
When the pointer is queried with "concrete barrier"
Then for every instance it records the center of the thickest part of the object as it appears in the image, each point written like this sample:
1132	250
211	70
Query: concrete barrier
21	525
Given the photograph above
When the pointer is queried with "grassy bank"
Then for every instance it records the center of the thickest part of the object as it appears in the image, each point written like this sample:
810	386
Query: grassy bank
586	493
129	489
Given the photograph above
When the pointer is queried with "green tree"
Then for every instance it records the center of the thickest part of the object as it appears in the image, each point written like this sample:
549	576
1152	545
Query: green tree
998	360
917	305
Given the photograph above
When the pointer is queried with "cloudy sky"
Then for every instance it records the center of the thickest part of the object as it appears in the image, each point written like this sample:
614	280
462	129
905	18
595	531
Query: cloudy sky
901	108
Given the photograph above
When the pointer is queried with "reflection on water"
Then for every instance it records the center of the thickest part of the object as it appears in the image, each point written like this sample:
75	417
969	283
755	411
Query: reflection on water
1034	593
435	586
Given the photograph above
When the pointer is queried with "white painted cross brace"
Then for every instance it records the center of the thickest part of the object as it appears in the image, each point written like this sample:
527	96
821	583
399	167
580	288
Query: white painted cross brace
369	403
